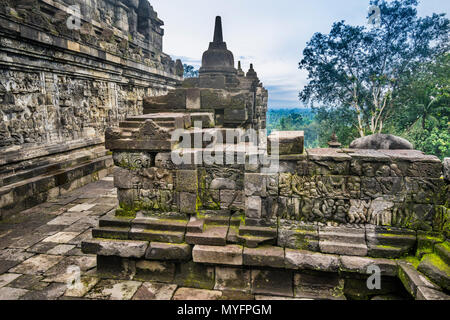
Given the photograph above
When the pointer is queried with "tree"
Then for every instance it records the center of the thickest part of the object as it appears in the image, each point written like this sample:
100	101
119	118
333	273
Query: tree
358	68
189	71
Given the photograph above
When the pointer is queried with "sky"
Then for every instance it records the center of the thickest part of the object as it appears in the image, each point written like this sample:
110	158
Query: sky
271	34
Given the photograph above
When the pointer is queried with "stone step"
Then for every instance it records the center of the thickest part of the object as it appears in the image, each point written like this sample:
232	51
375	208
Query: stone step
436	269
173	120
392	239
156	235
159	224
257	231
343	248
211	235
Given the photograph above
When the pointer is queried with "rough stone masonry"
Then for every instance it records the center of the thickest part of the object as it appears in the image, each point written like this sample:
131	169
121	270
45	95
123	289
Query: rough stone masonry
69	70
296	223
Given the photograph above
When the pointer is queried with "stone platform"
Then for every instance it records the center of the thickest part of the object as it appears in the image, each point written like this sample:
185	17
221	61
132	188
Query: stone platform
39	244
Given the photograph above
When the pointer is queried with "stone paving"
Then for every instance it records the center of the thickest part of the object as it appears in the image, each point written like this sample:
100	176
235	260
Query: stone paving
41	258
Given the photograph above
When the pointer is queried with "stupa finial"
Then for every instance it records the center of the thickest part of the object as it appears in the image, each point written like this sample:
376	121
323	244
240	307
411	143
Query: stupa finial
218	35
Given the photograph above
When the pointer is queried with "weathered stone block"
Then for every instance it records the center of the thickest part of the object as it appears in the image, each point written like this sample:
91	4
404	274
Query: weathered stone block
253	207
412	279
124	249
155	271
194	275
425	293
300	259
228	255
285	142
187	181
323	286
211	235
273	282
168	251
297	236
266	256
187	202
446	169
236	279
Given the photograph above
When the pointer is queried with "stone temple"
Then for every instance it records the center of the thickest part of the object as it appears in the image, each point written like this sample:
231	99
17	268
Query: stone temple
206	199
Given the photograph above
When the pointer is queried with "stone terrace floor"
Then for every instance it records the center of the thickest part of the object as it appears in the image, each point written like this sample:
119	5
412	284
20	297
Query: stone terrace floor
41	247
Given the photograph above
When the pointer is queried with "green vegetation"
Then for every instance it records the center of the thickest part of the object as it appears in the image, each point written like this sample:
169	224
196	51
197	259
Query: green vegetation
362	80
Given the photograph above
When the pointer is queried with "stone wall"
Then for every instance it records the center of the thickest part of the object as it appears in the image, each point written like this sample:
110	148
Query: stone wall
58	84
70	69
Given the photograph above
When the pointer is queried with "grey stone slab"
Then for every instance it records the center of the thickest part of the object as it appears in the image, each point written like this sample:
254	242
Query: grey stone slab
196	294
61	249
412	279
7	293
425	293
6	278
114	290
